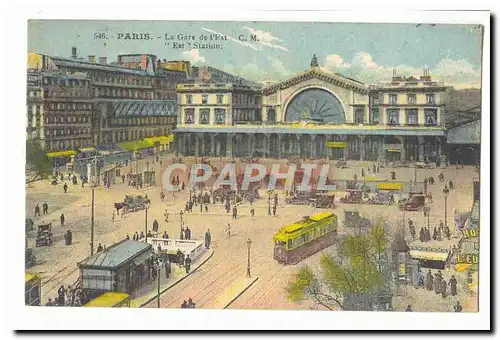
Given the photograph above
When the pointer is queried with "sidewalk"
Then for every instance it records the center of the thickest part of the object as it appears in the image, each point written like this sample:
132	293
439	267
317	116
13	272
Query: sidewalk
149	291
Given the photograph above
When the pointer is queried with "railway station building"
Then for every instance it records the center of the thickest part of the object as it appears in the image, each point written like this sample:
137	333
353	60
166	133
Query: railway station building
313	114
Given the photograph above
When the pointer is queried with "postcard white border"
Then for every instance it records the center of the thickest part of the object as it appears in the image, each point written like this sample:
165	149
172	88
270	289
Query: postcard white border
21	317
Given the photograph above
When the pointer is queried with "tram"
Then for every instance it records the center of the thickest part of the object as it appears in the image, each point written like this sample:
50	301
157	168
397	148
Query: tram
110	300
299	240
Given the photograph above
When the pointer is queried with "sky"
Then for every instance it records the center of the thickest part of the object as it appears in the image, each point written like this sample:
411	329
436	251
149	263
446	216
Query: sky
366	52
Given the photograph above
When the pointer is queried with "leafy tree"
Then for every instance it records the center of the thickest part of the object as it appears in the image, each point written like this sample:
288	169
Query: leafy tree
360	266
37	162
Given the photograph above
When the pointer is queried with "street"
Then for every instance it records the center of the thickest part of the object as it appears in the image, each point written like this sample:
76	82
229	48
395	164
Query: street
58	263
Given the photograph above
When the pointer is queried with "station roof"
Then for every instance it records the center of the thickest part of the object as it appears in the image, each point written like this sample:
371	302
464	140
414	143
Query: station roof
468	133
131	108
117	254
344	129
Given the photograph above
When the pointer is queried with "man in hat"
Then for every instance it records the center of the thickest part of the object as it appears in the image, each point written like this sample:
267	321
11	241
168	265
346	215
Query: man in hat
65	188
155	226
187	264
429	281
437	282
180	258
168	269
45	208
37	210
208	239
408	308
458	307
187	233
453	284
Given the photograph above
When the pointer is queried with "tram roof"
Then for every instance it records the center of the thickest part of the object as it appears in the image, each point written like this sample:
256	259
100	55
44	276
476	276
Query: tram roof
305	222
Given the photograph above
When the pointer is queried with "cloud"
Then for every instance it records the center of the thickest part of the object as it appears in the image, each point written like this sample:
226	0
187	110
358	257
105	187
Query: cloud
458	72
271	70
243	43
193	56
266	38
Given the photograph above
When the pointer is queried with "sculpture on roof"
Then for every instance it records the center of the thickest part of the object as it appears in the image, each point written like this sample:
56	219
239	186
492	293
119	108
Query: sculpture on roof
314	61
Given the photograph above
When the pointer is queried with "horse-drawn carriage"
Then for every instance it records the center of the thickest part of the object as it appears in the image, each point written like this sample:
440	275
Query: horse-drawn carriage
353	196
44	235
133	203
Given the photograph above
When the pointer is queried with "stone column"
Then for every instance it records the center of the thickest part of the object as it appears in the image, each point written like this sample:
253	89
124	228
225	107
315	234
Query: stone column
217	147
197	145
279	146
212	143
268	145
347	152
229	145
402	141
313	146
381	149
362	148
291	146
421	149
439	146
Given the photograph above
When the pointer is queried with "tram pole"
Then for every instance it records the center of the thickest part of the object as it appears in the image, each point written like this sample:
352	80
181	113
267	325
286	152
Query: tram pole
249	243
92	226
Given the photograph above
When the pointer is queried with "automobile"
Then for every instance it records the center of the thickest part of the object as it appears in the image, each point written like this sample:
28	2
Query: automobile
28	223
44	235
415	202
324	201
298	199
341	164
382	198
423	165
353	196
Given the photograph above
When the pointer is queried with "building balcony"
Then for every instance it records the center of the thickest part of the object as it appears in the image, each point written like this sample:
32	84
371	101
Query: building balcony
125	86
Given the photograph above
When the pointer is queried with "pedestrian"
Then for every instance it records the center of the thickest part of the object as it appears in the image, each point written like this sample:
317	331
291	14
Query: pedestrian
191	304
65	187
453	285
50	303
425	185
447	232
458	307
235	212
123	178
136	236
182	232
444	286
127	237
429	281
428	233
408	308
62	220
162	195
187	264
422	235
228	230
155	226
274	210
184	304
168	269
61	292
412	231
363	172
180	258
434	234
100	248
437	282
187	233
252	212
208	239
142	235
37	210
113	216
45	208
450	184
206	207
182	188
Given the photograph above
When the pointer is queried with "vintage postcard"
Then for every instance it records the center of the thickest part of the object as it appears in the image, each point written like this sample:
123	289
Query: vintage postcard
256	165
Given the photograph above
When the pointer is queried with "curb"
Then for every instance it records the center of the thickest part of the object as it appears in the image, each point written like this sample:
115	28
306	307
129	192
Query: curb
240	293
178	281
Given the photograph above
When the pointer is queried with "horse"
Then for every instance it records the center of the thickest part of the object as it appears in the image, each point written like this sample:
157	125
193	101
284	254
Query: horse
118	206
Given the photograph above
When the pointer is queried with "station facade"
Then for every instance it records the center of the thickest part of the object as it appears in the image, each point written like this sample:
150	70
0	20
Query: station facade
314	114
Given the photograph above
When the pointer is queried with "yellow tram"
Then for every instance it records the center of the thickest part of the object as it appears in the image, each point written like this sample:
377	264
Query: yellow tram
32	289
299	240
110	299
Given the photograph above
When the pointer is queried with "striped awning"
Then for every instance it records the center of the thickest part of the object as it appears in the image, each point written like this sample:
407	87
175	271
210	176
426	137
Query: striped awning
429	255
64	153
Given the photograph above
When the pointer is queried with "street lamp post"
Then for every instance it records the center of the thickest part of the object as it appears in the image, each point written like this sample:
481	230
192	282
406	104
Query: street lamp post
269	203
201	198
146	225
249	243
427	212
446	192
158	261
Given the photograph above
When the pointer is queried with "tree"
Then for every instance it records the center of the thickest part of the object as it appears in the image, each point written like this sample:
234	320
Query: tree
360	268
37	162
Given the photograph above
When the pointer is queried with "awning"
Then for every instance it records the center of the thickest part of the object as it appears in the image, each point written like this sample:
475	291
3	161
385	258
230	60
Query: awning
87	149
390	186
428	255
163	140
136	145
64	153
339	145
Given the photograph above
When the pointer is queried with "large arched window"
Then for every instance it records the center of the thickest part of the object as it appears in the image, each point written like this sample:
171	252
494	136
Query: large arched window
316	105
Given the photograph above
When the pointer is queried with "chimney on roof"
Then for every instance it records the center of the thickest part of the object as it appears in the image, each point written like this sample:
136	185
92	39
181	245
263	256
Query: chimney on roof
73	52
103	60
91	59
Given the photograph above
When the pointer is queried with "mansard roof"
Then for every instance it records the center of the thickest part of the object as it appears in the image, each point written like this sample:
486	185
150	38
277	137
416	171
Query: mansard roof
320	73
